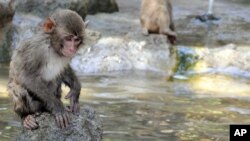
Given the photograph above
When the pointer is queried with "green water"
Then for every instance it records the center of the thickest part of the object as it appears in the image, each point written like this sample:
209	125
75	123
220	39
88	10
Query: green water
144	106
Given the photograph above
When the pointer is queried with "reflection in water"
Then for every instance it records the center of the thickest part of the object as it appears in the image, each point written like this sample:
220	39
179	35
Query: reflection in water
144	106
220	85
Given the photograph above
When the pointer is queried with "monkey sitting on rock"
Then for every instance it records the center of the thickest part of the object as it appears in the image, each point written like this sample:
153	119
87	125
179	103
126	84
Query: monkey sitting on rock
40	65
156	17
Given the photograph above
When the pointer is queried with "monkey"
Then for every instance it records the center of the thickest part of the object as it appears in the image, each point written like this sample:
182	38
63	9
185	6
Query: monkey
41	64
156	17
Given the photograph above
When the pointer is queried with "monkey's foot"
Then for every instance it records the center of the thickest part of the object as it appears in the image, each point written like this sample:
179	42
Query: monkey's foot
172	39
30	122
145	31
207	17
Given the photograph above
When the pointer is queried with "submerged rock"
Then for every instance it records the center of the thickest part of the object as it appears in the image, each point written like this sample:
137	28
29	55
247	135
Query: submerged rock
85	127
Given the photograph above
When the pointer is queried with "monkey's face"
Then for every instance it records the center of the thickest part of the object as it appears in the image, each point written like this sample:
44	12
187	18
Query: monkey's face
67	29
70	45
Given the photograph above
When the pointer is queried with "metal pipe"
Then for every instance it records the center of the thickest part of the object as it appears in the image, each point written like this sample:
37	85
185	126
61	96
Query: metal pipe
210	7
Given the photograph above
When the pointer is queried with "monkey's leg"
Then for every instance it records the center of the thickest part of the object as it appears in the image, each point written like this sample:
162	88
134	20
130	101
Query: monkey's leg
172	26
167	31
172	39
145	31
165	25
170	34
144	21
166	28
24	105
27	110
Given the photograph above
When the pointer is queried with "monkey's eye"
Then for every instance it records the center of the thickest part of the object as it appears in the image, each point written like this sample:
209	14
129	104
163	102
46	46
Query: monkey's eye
68	38
77	39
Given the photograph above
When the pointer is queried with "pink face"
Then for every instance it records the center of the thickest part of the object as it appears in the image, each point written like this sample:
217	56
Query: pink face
70	45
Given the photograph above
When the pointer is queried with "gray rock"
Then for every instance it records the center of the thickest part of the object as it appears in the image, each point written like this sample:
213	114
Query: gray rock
6	28
82	7
229	59
95	6
85	127
30	13
7	11
25	25
121	46
44	8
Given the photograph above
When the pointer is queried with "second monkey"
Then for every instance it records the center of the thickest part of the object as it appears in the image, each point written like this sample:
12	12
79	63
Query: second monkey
156	17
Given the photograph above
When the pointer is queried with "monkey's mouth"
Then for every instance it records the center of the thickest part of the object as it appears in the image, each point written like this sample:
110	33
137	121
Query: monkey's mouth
68	53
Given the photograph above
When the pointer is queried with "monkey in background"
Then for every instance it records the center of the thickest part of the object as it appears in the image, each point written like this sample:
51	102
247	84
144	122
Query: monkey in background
156	17
41	64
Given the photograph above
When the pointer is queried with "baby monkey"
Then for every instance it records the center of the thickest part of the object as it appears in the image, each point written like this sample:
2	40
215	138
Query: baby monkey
40	65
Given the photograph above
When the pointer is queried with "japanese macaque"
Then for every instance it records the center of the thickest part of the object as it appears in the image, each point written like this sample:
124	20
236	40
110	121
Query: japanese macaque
156	17
41	64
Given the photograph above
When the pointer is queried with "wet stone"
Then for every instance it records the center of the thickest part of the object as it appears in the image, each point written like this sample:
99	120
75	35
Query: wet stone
85	127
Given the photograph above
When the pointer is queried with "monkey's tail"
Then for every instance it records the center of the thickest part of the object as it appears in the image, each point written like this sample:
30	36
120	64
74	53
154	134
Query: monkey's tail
170	34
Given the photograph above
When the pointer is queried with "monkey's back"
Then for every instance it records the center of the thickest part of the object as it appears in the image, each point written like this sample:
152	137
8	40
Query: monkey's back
153	12
27	58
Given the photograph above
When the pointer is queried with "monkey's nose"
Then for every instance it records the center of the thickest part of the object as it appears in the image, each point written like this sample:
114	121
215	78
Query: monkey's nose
72	49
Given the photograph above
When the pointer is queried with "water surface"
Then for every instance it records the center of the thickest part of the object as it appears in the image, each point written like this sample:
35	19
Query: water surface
145	106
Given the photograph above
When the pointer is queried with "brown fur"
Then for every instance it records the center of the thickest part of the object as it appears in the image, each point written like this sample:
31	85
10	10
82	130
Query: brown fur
37	69
156	17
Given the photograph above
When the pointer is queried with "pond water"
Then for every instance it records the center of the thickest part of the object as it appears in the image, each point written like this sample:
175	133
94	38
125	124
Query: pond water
145	106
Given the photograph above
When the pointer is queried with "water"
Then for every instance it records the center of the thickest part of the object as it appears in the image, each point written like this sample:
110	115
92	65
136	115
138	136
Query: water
145	106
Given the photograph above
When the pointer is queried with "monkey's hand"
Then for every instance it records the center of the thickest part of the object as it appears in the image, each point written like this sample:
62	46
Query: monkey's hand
30	122
62	119
74	103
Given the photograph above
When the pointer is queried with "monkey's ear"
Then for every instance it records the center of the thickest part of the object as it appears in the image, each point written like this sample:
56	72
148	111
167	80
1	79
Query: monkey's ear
49	25
86	23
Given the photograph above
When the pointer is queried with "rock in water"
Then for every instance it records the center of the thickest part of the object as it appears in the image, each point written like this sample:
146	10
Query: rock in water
85	127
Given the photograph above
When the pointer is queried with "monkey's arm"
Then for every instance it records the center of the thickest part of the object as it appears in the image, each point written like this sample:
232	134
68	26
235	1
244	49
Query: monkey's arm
70	79
41	90
27	62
